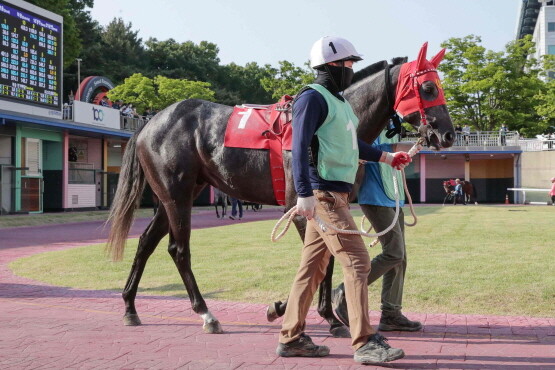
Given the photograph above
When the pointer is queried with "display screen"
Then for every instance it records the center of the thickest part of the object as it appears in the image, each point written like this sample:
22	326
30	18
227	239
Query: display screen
31	50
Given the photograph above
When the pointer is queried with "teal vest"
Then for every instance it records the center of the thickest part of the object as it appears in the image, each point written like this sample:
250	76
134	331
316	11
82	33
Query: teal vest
387	172
337	138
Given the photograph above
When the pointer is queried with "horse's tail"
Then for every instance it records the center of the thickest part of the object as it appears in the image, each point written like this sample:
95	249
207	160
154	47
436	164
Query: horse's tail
128	196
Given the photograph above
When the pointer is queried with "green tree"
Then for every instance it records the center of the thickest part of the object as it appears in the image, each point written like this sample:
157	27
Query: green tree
123	50
158	93
287	80
92	52
182	60
173	90
137	90
70	10
485	89
236	84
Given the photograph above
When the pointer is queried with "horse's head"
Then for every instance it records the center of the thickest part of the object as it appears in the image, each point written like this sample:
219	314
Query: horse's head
420	101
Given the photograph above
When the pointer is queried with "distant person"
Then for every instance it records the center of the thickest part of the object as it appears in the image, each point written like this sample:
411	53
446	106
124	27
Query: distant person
459	194
503	134
552	192
377	202
236	204
127	110
116	104
458	132
104	101
466	134
149	113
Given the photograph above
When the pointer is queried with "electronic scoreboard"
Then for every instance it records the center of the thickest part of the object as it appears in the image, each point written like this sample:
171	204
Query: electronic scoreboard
31	52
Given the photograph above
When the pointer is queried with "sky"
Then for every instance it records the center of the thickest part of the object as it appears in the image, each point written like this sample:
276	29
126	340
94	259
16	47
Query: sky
267	32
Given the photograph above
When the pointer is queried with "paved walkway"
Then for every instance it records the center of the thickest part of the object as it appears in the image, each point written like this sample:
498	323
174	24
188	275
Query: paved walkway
46	327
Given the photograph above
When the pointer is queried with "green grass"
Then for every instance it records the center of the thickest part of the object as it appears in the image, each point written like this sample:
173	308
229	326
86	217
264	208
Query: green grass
466	260
50	218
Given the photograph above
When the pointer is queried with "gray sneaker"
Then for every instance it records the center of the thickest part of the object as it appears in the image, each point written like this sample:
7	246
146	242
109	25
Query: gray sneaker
376	351
302	347
396	321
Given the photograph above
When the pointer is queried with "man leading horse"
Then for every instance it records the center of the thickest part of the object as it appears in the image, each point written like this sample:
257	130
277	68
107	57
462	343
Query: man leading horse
325	162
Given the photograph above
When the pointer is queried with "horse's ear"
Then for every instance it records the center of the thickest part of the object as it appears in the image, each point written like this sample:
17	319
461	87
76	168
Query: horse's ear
438	58
420	61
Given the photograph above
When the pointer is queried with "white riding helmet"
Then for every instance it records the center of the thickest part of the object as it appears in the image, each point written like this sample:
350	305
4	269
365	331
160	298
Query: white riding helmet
332	49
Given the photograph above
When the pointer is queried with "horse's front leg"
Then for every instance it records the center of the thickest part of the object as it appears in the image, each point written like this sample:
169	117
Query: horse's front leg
179	214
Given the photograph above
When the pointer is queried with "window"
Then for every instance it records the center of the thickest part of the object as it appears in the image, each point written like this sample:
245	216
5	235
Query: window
551	49
550	26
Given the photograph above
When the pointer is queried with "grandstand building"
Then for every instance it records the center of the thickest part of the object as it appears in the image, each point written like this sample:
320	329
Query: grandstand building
537	18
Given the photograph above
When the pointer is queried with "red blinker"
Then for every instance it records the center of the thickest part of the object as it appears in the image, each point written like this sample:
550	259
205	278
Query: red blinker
411	77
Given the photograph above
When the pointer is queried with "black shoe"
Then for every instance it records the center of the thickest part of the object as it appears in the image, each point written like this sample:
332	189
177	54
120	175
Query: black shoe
376	351
396	321
302	347
339	304
232	218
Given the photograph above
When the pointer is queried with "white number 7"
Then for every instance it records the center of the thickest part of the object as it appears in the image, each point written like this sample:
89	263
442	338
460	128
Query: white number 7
244	119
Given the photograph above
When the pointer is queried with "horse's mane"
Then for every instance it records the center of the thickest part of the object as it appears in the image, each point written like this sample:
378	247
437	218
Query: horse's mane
377	67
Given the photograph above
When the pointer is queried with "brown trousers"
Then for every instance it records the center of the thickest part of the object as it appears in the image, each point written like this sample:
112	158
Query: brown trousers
349	250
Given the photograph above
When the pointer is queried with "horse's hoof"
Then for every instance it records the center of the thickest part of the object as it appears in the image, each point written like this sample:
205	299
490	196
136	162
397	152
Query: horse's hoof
213	327
271	312
340	332
131	320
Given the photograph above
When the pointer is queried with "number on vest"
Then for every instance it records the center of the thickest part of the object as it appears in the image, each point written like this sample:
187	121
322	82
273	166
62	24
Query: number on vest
351	127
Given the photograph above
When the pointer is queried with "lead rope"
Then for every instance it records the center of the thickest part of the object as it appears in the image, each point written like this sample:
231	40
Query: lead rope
289	215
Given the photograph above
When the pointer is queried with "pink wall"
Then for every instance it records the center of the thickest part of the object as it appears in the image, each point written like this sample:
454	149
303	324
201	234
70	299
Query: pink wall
94	150
439	168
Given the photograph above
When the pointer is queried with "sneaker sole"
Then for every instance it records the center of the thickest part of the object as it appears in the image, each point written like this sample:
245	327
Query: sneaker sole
384	327
322	353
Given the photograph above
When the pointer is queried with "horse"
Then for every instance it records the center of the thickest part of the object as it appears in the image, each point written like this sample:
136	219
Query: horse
181	150
220	200
469	191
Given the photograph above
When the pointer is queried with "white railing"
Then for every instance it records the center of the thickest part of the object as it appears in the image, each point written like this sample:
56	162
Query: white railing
483	139
536	145
477	139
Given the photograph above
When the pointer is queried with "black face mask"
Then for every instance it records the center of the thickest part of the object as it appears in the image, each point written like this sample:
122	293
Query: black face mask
335	79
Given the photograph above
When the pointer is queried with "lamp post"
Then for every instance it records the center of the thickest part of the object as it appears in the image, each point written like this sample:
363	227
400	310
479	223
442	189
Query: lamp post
78	76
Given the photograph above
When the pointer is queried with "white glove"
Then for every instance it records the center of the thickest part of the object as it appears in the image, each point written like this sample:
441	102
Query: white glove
306	206
397	160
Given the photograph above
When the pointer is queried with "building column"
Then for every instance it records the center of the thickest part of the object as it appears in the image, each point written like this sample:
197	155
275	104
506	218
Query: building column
467	170
65	169
18	165
422	178
104	177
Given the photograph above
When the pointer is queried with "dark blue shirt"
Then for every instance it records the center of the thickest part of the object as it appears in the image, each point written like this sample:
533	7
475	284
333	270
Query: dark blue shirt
309	113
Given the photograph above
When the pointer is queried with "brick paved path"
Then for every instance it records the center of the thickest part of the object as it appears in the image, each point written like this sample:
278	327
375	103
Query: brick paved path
45	327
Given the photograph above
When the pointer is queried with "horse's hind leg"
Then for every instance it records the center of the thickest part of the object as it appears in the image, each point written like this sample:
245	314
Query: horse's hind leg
337	329
179	214
150	238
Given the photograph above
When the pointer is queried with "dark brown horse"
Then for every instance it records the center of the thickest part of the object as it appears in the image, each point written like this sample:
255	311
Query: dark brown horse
180	151
469	192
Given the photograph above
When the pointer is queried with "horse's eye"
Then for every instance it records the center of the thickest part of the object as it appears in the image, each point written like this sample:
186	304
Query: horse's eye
429	91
